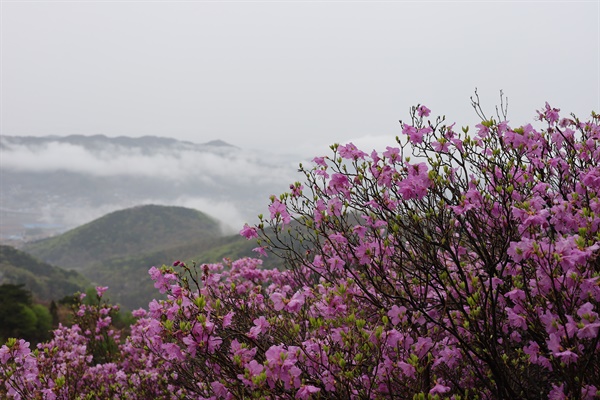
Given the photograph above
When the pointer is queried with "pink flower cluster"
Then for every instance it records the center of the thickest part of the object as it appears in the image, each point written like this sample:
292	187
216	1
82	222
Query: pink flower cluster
472	269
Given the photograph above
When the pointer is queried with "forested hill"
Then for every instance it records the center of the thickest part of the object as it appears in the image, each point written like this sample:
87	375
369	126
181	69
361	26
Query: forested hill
125	233
117	250
45	281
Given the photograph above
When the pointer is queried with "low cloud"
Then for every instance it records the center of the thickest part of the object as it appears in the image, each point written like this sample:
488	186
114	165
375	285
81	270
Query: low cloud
69	184
226	212
228	215
178	165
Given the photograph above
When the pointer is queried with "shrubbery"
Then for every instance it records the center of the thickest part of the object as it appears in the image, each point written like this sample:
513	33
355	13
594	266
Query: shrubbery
21	317
456	265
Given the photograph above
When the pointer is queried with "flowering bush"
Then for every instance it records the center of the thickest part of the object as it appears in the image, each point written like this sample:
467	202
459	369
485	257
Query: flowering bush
85	361
455	265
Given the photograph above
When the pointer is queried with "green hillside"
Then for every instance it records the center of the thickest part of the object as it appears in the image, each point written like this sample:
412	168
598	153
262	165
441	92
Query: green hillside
117	250
46	282
128	278
124	233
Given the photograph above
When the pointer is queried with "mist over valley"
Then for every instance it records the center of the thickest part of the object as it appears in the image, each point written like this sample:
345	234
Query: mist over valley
54	183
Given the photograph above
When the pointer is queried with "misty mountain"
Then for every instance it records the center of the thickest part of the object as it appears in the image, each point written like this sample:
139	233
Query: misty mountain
51	184
99	143
118	249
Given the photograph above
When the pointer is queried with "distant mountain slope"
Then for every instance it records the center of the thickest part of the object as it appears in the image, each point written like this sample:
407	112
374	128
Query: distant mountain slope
124	233
128	278
147	144
55	183
45	281
117	250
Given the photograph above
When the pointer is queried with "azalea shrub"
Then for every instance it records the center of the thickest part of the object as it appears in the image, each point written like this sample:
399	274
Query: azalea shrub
87	360
457	264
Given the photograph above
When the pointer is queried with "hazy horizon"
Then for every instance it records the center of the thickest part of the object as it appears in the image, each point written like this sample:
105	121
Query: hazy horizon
69	183
287	76
279	80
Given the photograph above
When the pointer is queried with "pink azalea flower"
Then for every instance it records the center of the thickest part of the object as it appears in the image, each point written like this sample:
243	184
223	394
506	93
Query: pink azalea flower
305	391
249	232
278	301
423	111
296	302
260	326
172	352
407	369
338	238
414	136
515	320
549	113
397	314
5	354
100	290
219	389
423	345
339	183
254	368
334	205
482	130
439	389
557	392
392	153
589	331
320	161
296	190
260	250
139	313
279	210
441	147
227	318
336	263
589	392
567	356
351	152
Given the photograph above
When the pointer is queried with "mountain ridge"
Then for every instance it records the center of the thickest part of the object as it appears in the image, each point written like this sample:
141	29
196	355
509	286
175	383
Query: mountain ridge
54	185
135	230
155	235
122	140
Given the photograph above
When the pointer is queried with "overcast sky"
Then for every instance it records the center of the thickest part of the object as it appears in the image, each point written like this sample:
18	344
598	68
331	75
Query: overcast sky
287	76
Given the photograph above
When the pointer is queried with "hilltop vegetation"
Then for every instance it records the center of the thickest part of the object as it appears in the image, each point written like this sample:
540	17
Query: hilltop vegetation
117	250
124	233
127	277
34	295
21	317
45	281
